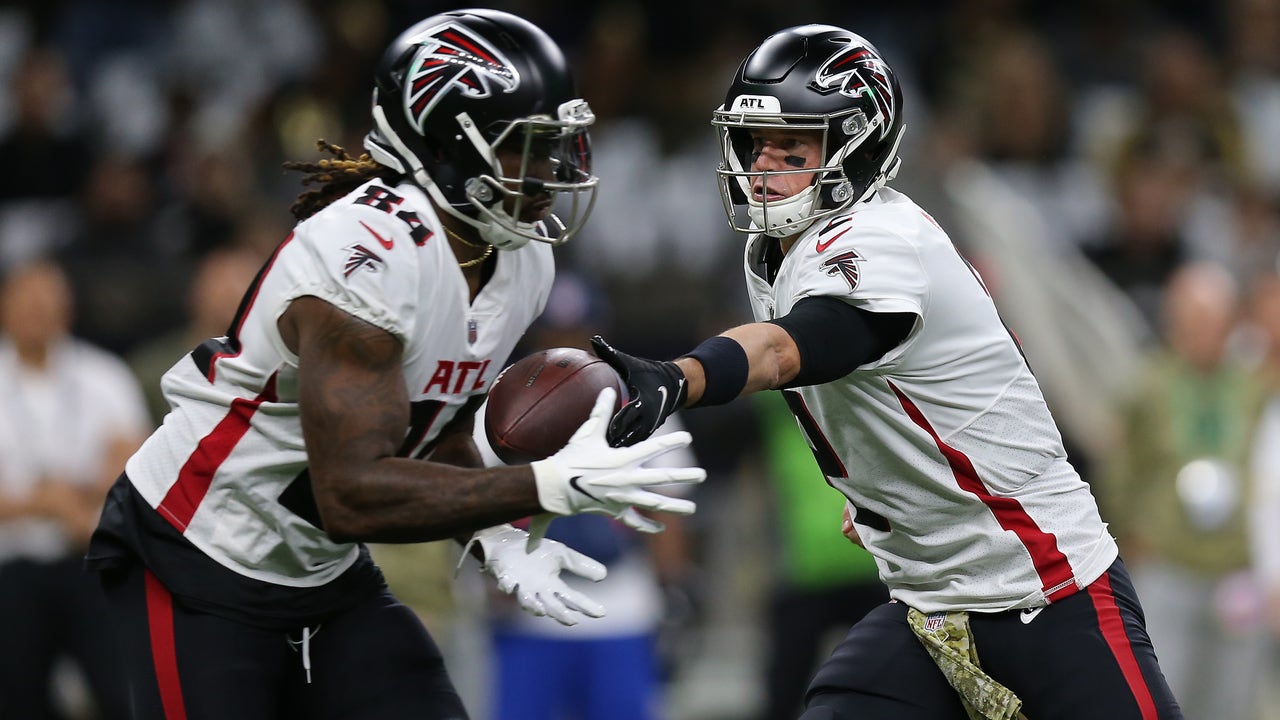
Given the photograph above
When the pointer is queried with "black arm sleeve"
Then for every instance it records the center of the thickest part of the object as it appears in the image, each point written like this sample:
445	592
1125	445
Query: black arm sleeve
835	337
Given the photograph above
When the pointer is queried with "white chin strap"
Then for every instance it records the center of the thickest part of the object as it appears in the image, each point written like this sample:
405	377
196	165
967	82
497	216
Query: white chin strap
781	218
793	215
505	232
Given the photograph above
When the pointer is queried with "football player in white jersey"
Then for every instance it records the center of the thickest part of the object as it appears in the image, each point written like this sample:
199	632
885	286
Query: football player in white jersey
919	407
338	409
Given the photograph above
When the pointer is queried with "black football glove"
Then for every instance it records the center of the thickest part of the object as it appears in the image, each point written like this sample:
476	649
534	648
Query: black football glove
657	389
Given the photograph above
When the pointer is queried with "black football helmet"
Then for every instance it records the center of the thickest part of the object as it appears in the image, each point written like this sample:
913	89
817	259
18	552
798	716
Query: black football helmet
811	77
453	88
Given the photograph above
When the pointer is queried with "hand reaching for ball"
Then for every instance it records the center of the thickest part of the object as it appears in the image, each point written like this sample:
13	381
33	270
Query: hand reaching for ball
587	475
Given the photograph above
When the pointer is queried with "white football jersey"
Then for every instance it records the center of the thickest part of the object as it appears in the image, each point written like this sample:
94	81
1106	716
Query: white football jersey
945	445
227	467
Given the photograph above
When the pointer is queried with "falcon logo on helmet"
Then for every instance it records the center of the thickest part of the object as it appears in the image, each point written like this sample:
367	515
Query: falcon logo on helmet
453	59
858	71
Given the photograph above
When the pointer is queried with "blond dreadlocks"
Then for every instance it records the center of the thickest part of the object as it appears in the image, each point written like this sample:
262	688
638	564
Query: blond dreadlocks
336	177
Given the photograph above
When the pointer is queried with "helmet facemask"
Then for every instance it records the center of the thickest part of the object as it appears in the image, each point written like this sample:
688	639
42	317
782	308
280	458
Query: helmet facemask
831	190
495	199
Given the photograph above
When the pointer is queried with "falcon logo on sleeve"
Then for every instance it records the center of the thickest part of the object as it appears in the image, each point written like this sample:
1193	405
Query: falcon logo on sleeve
453	59
361	257
844	264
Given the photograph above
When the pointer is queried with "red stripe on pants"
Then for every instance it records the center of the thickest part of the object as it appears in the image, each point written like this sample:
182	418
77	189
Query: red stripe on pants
1112	625
164	654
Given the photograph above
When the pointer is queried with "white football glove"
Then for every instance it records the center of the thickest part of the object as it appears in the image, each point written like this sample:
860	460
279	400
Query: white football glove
588	475
532	576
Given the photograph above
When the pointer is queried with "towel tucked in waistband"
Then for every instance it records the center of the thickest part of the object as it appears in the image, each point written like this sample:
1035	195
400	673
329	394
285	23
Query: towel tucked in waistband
949	641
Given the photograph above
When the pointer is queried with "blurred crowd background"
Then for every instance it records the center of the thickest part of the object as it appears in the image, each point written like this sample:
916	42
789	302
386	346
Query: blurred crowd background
1111	167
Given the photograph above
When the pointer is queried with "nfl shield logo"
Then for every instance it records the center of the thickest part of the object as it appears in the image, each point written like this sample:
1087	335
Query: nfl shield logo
935	621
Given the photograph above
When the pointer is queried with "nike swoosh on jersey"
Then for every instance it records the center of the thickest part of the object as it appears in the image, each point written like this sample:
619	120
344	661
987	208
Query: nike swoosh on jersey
1026	616
837	222
573	483
388	244
824	244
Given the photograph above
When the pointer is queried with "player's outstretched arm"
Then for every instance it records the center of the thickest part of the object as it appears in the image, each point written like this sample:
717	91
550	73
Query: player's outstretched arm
822	339
743	360
355	410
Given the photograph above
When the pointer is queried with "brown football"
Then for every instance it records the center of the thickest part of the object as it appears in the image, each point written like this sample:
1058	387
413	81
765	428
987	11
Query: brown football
537	403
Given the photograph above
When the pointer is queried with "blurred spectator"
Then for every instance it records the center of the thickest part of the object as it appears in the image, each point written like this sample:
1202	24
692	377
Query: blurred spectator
1080	333
1255	71
1177	496
113	256
658	236
46	158
820	588
212	299
114	51
1252	230
1155	178
1182	93
43	144
213	197
1023	122
1264	531
229	56
1264	318
72	414
1185	106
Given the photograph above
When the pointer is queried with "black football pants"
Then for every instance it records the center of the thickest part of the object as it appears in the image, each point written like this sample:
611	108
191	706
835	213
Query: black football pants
1085	657
373	661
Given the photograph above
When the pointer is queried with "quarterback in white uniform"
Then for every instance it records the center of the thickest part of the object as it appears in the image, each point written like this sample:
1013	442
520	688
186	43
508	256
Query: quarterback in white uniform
338	408
946	436
919	407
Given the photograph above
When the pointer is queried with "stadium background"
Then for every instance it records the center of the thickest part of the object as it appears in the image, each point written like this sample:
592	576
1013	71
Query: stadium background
137	136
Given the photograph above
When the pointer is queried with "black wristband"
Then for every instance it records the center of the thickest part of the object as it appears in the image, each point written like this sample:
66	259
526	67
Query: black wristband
725	368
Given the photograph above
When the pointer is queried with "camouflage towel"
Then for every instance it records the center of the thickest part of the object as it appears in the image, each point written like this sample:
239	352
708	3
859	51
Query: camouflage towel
947	638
